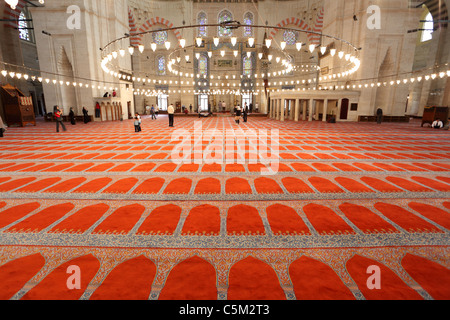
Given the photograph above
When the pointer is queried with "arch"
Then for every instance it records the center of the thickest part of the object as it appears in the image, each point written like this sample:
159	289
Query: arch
152	22
248	20
202	19
223	16
160	65
298	23
253	279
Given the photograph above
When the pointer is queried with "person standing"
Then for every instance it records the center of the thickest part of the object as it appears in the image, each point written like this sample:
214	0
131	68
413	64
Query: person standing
59	118
156	111
2	127
72	116
97	110
85	115
238	114
245	112
171	112
379	115
138	117
152	111
136	124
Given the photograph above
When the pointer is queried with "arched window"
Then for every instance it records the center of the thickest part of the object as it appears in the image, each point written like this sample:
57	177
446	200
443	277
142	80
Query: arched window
428	26
24	27
202	65
248	21
202	20
160	37
161	65
247	66
290	37
225	16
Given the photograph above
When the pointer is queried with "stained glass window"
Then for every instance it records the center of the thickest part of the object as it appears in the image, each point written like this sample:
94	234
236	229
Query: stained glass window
290	36
225	16
248	20
203	65
161	65
24	32
202	20
159	37
247	65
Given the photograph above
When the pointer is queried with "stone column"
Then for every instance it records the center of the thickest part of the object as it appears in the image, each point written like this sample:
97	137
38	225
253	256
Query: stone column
338	113
278	109
311	109
304	109
297	109
325	110
283	109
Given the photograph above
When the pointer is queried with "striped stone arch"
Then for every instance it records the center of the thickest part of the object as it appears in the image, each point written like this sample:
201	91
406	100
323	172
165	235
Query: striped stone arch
302	25
134	40
9	14
153	22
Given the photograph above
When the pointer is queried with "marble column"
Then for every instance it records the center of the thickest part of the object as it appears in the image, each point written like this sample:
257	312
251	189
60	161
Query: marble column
283	109
338	113
311	109
305	102
297	109
325	110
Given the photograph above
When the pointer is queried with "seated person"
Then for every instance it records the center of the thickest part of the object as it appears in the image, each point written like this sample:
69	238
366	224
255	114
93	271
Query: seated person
437	124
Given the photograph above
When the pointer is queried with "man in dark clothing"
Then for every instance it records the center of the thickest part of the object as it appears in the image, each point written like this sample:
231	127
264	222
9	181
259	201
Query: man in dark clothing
245	112
379	115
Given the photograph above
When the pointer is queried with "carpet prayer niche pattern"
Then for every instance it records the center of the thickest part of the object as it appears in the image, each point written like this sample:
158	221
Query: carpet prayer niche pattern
139	226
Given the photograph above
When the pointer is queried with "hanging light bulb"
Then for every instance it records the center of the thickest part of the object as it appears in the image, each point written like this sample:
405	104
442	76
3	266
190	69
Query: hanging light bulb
270	57
333	52
12	3
233	41
182	43
311	48
278	59
198	41
122	52
249	54
167	45
251	41
341	54
12	74
323	50
178	59
210	54
298	45
141	48
114	54
25	76
268	43
235	52
260	55
197	55
222	53
153	46
283	45
216	41
4	73
187	58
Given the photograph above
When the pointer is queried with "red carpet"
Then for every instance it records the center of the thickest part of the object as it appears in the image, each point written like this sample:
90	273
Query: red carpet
111	201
